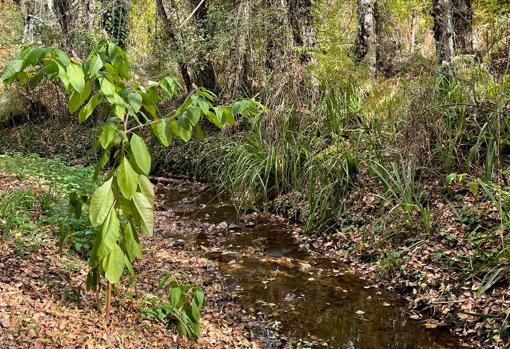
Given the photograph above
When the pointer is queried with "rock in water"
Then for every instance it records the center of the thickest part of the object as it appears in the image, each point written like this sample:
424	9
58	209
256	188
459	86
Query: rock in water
305	267
222	225
233	226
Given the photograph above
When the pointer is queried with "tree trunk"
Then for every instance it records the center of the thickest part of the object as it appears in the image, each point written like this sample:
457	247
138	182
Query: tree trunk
239	63
63	15
170	34
462	18
414	27
300	19
206	76
443	30
366	41
28	26
277	42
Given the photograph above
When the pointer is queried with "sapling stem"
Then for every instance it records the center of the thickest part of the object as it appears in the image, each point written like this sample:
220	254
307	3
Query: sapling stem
108	301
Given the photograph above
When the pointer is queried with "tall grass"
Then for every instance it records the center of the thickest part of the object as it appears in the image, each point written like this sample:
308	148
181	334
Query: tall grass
313	158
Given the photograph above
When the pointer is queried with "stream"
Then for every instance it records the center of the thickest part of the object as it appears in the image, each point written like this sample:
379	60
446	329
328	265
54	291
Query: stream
312	301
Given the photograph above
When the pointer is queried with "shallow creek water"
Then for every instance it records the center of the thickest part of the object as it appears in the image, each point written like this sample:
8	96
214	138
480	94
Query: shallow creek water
313	301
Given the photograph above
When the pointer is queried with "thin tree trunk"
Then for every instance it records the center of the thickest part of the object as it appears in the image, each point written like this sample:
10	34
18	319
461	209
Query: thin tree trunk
443	30
276	40
239	63
108	302
366	42
462	18
300	19
63	11
206	76
170	34
414	27
28	27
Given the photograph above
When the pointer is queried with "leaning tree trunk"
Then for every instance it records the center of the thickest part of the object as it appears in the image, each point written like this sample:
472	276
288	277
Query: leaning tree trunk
366	42
170	34
462	19
443	29
205	75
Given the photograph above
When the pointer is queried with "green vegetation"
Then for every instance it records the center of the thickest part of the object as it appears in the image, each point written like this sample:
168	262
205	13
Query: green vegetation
183	305
385	133
121	208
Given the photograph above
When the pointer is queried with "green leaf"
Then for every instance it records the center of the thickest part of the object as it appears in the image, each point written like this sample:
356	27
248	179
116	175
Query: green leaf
62	74
100	203
127	179
108	89
62	57
219	115
228	116
146	188
34	56
212	117
145	213
193	114
135	100
76	77
195	311
12	69
240	106
182	128
199	297
77	98
162	131
131	243
94	65
129	266
175	296
199	132
107	134
110	232
204	106
140	153
88	109
114	265
103	160
119	110
473	187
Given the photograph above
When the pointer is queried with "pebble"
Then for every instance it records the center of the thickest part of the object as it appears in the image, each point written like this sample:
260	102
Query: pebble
305	267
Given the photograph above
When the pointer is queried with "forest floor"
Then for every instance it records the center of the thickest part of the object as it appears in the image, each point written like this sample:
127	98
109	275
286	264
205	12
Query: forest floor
439	274
43	301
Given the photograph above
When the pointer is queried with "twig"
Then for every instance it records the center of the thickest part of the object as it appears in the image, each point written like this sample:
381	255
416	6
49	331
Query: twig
191	14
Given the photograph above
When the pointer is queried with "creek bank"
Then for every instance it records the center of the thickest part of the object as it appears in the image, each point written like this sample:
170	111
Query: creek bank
433	272
44	302
307	300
